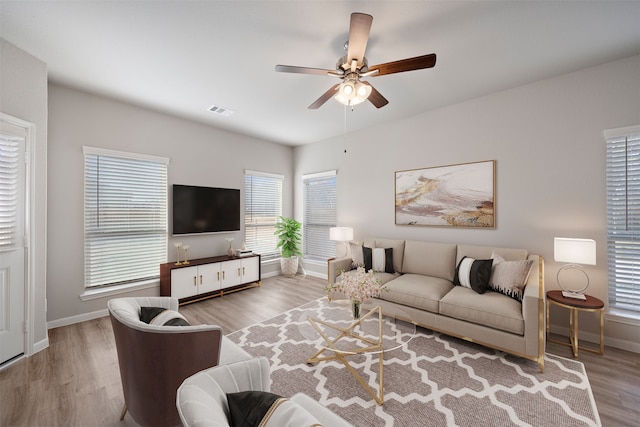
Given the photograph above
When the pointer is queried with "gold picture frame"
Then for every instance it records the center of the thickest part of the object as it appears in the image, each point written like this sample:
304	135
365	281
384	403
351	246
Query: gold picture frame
460	195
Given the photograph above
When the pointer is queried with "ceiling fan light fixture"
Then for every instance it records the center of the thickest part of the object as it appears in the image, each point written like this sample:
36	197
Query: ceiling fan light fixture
347	90
352	92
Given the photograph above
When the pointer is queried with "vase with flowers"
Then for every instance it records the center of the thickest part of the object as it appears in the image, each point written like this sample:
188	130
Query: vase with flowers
359	286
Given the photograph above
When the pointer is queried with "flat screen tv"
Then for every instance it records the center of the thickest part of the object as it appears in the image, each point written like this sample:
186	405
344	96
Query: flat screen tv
205	209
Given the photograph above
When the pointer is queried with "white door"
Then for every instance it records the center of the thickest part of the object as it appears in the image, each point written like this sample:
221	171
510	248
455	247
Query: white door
12	240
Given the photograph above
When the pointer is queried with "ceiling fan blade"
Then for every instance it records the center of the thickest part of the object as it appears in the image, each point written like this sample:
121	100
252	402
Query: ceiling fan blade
358	37
303	70
376	97
409	64
324	98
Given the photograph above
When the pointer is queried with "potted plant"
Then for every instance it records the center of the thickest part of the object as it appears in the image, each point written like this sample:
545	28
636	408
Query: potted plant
289	237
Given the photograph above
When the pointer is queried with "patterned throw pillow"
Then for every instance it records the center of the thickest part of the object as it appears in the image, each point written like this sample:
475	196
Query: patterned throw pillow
357	259
261	408
473	273
379	260
160	316
509	277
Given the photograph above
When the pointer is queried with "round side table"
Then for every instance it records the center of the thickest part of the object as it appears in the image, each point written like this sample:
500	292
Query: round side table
574	306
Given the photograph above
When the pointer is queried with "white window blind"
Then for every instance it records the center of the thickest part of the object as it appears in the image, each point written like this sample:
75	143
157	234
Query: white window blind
319	215
10	201
623	217
125	217
262	208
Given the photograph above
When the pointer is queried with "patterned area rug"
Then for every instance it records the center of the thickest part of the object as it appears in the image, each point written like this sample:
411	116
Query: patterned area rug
433	380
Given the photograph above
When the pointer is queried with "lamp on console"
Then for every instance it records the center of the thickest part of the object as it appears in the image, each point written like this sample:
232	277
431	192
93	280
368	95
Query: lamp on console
341	234
574	252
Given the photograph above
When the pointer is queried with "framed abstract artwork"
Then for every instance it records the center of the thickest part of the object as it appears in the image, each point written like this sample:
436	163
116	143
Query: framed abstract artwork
461	195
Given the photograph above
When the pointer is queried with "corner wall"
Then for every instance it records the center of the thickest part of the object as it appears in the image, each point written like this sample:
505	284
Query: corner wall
199	155
547	140
23	94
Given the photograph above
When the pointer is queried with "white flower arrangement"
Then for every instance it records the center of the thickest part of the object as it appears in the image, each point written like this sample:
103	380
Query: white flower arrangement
358	285
229	239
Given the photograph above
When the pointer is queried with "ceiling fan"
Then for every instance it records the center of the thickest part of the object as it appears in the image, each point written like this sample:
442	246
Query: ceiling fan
352	67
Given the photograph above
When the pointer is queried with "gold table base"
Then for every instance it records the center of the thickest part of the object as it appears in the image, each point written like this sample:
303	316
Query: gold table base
374	346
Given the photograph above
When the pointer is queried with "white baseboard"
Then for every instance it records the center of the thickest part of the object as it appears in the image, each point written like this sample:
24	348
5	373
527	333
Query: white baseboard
40	345
66	321
318	275
271	274
594	339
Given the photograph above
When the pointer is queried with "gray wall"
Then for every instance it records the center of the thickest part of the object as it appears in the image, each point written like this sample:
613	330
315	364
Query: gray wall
547	140
199	155
23	94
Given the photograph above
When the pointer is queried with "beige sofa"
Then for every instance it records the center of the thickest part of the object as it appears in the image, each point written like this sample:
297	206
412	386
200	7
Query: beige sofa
421	290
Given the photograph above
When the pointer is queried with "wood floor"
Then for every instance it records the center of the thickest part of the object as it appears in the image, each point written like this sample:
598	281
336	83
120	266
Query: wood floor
76	380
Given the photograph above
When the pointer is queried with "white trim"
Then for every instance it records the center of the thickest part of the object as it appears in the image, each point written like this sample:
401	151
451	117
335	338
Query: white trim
30	213
594	339
71	320
41	345
317	275
265	174
623	316
320	174
123	154
271	274
107	291
620	132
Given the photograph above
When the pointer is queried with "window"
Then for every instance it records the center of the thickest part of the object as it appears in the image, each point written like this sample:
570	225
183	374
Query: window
262	208
125	217
319	215
623	217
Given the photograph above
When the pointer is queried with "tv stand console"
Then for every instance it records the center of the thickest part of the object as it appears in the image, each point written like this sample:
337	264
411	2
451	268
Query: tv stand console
209	277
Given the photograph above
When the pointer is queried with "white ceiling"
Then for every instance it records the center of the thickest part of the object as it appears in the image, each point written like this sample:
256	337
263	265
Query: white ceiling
182	57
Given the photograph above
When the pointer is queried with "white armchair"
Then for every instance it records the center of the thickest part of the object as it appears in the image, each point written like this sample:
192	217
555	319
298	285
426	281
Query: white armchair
202	398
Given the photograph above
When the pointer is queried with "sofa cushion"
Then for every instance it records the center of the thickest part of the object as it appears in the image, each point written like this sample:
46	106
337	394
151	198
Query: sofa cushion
418	291
484	252
378	259
398	250
509	277
430	259
473	273
493	309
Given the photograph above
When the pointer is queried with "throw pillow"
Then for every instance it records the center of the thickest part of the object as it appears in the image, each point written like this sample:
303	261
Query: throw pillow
509	277
162	317
357	259
473	273
379	260
264	409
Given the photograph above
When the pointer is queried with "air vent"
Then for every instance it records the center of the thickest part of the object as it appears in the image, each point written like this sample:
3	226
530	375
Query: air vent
221	110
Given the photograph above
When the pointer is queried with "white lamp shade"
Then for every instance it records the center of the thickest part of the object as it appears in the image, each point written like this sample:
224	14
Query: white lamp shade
574	251
341	234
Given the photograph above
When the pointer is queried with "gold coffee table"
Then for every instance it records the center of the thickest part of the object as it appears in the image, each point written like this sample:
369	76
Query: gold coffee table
344	337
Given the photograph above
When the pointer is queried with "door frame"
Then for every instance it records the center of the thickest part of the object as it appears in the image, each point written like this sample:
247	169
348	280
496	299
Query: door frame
29	273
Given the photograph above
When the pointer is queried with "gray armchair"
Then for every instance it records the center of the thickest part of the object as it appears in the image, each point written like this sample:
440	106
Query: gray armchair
154	360
202	398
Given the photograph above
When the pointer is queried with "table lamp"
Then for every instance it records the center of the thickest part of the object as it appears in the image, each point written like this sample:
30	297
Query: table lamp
574	252
341	234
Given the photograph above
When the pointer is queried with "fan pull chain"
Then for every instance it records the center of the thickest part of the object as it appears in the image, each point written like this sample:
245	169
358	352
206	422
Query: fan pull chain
344	138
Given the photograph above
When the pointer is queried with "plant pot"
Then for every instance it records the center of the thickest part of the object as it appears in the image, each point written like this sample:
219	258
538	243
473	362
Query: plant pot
289	266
